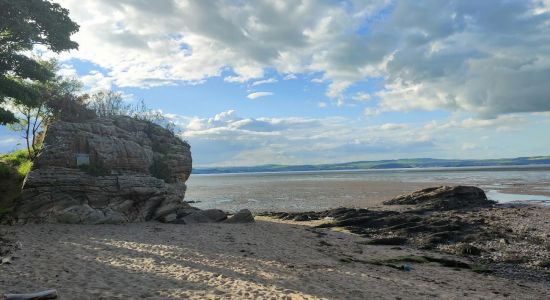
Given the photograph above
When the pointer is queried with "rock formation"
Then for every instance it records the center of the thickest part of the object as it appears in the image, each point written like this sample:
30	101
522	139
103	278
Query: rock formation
107	170
443	197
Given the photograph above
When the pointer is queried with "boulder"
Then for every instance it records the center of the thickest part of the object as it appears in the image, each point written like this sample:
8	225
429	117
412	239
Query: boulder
242	216
107	170
444	198
195	217
216	215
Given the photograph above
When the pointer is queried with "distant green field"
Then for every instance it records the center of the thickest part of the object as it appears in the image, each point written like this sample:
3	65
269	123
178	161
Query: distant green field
384	164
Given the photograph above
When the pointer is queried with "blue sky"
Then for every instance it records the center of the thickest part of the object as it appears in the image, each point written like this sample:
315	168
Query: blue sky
257	82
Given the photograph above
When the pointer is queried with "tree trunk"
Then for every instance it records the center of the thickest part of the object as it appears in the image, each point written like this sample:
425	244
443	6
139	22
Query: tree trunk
47	294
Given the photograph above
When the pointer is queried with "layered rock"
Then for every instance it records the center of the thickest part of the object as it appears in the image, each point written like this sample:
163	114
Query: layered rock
107	170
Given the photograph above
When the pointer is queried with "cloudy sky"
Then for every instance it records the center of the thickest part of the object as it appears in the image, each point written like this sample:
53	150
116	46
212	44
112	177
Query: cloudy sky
316	81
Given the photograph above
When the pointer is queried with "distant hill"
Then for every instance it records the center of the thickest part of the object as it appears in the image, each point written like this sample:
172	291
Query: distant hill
384	164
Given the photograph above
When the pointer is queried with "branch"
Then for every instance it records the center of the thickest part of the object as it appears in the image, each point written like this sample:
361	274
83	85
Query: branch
47	294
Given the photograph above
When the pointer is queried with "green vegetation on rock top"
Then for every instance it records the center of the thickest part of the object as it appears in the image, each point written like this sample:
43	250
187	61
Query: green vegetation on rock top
13	169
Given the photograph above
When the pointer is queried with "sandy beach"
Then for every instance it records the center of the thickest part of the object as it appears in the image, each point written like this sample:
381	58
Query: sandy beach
267	259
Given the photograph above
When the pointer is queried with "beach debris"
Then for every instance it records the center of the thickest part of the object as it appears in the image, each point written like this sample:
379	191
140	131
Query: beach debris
406	268
43	295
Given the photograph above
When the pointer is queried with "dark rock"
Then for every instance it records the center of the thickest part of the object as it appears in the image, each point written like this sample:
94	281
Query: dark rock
242	216
444	198
468	249
216	215
195	217
389	241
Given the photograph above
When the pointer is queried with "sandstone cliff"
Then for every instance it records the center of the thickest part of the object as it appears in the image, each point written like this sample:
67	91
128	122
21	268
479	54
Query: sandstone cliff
107	170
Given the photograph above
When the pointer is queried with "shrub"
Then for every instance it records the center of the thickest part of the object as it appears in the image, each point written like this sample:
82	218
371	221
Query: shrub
24	168
159	169
17	157
15	162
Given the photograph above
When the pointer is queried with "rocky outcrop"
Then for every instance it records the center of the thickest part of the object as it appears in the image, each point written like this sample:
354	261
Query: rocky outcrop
443	197
107	170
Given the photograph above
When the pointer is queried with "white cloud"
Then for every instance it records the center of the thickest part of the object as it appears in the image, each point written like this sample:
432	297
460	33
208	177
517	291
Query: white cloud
96	81
227	139
321	104
392	126
266	81
361	97
485	57
290	77
67	71
371	112
258	95
317	80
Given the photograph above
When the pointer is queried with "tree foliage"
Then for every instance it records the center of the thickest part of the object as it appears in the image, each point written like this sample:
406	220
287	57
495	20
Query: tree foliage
55	99
23	24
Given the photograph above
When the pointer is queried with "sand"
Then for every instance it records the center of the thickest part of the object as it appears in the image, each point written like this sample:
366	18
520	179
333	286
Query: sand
262	260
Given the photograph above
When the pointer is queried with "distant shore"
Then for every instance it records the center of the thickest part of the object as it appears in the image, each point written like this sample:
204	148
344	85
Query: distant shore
397	164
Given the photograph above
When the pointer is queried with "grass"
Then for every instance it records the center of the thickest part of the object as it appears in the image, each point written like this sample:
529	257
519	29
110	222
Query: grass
24	168
14	167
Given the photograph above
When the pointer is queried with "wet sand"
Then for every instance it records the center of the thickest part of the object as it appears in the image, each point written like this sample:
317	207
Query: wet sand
316	195
263	260
304	195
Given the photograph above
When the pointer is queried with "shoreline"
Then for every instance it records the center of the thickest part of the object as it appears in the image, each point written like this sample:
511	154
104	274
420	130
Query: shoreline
387	170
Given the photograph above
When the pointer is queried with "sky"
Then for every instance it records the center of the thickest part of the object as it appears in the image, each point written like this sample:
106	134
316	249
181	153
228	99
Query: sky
321	81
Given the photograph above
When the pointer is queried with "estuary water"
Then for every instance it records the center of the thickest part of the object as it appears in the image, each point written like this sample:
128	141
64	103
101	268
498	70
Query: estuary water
303	191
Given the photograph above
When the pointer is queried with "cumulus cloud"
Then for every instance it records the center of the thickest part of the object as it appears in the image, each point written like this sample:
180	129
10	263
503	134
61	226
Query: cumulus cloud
96	81
255	95
227	139
485	57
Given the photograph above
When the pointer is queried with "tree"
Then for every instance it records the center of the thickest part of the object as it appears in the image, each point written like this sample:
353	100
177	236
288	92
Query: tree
109	103
55	99
23	24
